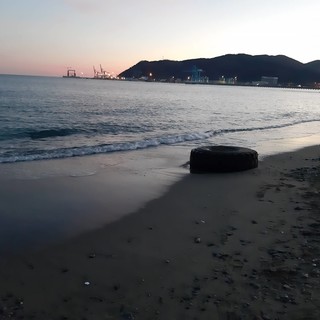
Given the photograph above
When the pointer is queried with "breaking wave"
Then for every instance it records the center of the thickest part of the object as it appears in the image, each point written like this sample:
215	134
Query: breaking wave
125	146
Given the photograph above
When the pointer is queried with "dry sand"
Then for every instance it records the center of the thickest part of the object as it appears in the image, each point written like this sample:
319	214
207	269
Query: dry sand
215	246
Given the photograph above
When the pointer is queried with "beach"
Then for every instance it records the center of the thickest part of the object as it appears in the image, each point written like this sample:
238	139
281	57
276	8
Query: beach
239	245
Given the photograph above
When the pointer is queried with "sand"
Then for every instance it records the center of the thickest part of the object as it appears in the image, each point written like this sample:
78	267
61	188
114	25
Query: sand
214	246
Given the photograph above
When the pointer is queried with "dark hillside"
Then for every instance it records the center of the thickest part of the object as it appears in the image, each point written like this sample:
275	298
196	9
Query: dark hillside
314	65
245	67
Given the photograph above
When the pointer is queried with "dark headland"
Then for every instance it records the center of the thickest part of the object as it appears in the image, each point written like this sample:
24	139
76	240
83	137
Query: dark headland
239	69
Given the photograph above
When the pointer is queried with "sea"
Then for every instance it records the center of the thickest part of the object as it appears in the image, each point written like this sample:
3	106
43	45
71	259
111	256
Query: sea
52	118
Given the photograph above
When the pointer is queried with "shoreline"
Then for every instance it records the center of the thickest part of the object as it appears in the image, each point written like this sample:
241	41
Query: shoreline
213	246
49	201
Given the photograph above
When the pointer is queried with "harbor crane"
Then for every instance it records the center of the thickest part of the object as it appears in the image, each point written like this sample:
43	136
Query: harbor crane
195	74
71	73
102	74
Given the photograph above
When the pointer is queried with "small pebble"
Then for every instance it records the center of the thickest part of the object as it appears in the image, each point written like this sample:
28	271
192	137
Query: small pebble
197	240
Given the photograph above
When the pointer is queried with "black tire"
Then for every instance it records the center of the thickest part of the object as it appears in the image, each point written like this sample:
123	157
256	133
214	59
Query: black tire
222	159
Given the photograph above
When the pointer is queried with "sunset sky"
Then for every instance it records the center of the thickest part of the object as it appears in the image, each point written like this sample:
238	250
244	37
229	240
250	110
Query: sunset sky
45	37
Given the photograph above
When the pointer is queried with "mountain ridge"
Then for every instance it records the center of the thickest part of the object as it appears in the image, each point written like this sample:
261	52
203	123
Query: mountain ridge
245	68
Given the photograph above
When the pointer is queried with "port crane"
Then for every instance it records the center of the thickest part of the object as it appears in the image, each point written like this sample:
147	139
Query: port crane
195	74
71	73
102	74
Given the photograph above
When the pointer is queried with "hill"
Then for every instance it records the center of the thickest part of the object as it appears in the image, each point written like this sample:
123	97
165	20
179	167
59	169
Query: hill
245	68
314	65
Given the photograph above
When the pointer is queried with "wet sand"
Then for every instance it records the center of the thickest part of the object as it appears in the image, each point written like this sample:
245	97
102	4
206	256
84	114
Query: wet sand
47	202
214	246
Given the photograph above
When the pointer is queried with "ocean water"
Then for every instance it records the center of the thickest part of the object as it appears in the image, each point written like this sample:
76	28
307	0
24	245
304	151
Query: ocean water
50	118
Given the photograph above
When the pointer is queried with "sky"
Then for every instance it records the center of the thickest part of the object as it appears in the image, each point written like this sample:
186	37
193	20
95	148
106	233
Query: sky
45	37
